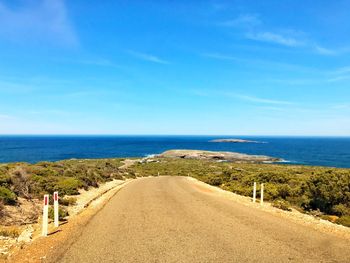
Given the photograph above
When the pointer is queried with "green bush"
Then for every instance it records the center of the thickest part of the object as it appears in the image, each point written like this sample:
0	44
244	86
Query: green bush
68	201
7	196
282	204
344	220
62	213
216	181
5	179
2	212
341	210
68	186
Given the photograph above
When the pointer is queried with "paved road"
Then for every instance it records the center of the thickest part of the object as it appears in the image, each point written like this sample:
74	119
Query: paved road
173	219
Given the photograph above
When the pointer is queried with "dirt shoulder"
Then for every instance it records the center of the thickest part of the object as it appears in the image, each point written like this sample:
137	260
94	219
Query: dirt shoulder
293	215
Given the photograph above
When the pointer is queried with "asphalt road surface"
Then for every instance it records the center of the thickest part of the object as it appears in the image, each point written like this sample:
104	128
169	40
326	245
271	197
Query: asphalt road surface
174	219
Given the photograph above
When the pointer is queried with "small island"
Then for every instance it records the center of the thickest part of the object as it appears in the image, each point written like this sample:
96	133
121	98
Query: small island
236	141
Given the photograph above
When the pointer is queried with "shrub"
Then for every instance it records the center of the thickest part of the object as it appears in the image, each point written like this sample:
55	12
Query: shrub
5	179
2	212
344	220
68	186
341	210
68	201
282	204
117	176
62	213
327	190
7	196
216	181
284	190
9	232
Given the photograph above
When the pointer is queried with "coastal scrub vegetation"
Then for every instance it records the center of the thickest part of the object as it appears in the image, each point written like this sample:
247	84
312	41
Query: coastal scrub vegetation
316	190
31	181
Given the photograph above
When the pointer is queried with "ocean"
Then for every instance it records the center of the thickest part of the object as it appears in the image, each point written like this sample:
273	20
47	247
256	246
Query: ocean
320	151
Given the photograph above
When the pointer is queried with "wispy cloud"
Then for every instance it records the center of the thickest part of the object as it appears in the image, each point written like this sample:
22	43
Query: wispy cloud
239	96
148	57
97	62
101	62
261	63
221	56
325	51
45	20
259	100
243	20
340	74
339	78
343	70
275	38
253	28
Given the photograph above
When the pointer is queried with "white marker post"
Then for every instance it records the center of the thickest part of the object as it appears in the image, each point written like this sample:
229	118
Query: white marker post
55	208
45	215
262	194
254	192
158	173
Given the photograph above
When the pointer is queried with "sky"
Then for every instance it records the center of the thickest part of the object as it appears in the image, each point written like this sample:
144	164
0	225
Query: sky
238	67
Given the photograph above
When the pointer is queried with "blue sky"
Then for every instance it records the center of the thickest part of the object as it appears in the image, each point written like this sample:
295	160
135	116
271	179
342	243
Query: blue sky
175	67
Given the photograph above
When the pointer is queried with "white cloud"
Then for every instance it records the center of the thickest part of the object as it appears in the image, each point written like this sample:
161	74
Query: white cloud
44	20
148	57
340	78
244	20
220	56
254	99
262	63
343	70
253	28
260	100
325	51
275	38
340	74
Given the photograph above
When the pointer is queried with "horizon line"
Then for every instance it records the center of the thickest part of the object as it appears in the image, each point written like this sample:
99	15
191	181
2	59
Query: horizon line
198	135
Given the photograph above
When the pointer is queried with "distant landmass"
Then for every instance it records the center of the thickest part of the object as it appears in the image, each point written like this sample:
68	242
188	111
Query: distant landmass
220	156
235	141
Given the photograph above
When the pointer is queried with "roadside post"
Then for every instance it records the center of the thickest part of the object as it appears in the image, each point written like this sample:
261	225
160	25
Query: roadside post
262	194
254	192
158	173
45	215
55	208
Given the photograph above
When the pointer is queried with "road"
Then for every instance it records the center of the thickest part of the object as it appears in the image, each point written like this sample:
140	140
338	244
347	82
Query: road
174	219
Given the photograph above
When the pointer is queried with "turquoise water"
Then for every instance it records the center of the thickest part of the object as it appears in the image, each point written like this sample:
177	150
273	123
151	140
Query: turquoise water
324	151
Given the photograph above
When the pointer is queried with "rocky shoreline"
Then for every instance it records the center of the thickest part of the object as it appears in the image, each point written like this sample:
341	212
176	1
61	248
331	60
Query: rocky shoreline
218	156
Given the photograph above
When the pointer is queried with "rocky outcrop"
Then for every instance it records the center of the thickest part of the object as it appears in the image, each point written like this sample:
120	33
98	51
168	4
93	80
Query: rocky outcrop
219	156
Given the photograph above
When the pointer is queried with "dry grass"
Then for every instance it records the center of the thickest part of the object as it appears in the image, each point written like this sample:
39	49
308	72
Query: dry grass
11	231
